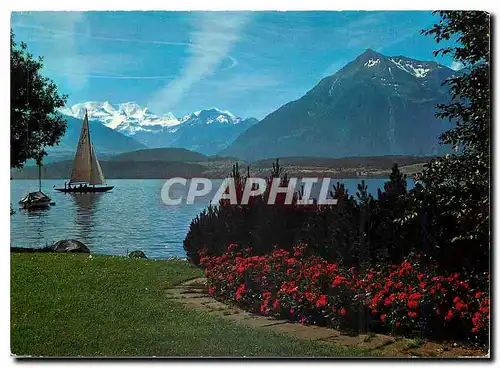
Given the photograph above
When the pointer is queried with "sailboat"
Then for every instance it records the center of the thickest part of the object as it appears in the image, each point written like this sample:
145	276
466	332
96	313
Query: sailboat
36	200
86	174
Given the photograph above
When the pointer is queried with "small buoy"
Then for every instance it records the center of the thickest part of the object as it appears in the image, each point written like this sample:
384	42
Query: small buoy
52	203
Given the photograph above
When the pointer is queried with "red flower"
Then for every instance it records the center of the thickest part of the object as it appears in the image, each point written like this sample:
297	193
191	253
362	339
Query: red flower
398	324
321	302
382	318
412	314
338	280
342	311
478	294
241	269
276	304
332	268
263	307
240	291
412	303
461	306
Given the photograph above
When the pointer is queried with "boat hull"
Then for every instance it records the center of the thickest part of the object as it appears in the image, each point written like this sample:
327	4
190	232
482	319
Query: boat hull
35	205
85	189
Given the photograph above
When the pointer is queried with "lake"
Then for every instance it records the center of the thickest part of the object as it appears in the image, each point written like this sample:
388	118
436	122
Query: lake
130	217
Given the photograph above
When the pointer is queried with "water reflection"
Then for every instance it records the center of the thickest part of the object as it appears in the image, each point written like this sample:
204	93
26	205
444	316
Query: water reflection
38	217
86	205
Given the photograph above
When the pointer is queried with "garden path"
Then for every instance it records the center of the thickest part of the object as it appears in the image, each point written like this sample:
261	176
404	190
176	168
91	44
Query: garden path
193	294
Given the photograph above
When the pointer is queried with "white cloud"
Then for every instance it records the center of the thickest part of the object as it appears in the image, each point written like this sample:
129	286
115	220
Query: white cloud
456	65
211	42
64	56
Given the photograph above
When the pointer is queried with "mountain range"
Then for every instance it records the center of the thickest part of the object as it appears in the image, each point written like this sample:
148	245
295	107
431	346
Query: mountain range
205	131
106	141
375	105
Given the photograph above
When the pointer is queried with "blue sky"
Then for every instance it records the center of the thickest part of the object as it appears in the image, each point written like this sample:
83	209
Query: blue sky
250	63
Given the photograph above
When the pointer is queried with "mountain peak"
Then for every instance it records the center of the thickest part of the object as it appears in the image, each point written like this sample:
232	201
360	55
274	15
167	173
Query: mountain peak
375	105
209	116
368	59
370	53
374	62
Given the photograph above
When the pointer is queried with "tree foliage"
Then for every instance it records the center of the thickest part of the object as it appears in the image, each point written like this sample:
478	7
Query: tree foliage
455	190
34	120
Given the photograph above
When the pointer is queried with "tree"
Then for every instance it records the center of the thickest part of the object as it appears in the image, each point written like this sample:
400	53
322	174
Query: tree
34	120
456	187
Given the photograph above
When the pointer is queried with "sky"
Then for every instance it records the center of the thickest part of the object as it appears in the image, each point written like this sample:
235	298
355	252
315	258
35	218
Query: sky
249	63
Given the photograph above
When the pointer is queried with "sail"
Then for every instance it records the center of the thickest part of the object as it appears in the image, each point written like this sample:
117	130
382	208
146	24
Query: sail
96	172
82	165
86	167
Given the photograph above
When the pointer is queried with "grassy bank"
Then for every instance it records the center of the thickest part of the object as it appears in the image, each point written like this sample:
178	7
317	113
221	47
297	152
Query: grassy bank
73	305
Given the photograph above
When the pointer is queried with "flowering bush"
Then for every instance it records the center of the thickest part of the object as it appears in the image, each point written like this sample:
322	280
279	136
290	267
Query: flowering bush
405	298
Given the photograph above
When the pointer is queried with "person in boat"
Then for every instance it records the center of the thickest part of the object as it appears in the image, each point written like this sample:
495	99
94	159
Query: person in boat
64	185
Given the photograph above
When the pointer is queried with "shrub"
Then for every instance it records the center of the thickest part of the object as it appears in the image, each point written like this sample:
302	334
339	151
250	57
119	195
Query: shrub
410	298
352	231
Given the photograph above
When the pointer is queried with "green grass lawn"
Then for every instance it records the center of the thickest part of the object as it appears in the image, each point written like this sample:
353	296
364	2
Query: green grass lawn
73	305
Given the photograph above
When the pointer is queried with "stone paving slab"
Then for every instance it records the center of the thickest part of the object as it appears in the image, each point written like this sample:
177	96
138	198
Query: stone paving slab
200	281
304	332
369	342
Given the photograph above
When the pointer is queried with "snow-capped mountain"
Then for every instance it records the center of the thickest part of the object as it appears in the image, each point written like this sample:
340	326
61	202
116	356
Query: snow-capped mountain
210	116
205	131
375	105
127	117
